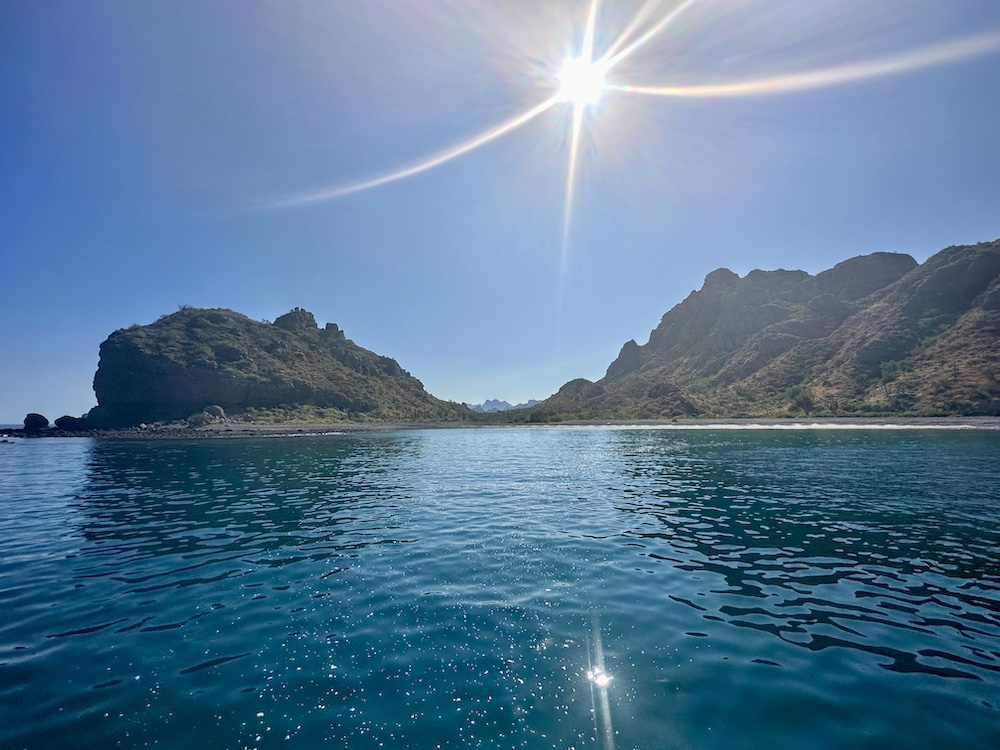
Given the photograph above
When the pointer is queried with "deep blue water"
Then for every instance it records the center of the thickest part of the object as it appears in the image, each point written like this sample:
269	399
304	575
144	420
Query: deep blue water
452	588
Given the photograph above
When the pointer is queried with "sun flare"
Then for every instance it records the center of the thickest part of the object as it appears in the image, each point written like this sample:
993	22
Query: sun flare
581	81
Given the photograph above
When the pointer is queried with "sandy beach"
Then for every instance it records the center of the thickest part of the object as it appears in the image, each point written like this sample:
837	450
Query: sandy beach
237	429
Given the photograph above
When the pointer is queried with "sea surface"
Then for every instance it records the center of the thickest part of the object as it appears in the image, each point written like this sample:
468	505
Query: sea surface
503	588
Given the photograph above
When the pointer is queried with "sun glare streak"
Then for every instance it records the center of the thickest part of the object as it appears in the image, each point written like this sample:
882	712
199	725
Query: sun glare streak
879	68
655	29
637	20
574	148
586	58
587	52
435	161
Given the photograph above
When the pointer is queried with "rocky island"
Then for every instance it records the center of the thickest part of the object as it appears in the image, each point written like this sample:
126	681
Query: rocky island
197	364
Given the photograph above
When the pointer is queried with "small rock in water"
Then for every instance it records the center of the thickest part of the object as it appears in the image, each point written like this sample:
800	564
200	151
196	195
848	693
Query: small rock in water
71	424
35	422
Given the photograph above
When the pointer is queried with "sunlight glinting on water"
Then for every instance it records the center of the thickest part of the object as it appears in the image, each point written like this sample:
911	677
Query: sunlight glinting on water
601	681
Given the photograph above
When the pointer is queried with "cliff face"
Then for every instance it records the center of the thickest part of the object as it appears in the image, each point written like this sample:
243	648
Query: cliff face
876	333
195	358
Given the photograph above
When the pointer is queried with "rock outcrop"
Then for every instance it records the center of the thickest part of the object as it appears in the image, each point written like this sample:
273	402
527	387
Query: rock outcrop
71	424
35	423
874	334
213	361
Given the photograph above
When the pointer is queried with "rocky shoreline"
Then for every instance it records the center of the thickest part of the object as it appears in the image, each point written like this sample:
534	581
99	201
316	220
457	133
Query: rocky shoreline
235	429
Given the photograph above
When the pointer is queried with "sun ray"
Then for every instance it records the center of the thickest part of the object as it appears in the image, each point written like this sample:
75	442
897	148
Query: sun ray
630	28
587	51
879	68
574	147
587	56
655	29
435	161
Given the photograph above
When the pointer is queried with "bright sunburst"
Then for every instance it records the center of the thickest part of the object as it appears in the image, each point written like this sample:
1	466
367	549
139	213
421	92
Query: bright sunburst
581	81
587	77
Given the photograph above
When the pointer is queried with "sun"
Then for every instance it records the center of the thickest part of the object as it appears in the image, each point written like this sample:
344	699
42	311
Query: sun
581	81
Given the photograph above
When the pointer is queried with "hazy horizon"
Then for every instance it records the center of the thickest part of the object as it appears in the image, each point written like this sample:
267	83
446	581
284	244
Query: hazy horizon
413	172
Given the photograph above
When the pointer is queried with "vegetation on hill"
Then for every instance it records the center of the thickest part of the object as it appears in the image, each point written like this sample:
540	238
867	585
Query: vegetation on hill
876	334
283	371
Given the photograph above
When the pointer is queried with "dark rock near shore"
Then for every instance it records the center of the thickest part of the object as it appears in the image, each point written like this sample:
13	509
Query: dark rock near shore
71	424
35	423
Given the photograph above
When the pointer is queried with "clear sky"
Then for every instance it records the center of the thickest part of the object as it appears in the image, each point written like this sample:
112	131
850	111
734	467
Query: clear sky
154	154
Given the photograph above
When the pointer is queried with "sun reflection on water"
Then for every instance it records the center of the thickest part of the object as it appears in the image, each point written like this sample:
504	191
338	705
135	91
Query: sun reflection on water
599	677
600	680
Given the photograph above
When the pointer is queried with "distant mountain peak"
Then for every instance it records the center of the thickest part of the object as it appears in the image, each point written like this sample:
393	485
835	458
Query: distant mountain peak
493	405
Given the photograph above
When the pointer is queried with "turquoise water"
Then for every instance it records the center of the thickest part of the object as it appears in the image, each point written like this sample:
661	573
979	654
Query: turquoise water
453	588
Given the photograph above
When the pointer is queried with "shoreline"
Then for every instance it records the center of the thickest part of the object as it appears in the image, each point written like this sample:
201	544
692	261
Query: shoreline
227	429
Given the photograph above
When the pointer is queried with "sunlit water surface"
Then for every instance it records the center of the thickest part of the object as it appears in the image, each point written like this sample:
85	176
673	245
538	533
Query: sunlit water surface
455	588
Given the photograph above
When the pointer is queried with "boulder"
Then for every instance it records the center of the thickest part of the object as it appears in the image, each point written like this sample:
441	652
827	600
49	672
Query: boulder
199	420
215	411
71	424
35	422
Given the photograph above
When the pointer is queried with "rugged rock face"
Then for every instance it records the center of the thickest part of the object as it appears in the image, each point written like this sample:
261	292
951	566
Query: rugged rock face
220	359
875	333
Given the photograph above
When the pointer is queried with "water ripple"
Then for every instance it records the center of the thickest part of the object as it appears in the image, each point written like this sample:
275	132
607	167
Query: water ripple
815	589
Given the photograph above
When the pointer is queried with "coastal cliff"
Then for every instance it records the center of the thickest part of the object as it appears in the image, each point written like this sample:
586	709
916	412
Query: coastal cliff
874	334
197	358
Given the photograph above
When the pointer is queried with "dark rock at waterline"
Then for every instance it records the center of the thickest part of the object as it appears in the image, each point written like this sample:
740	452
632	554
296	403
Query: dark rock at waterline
35	422
71	424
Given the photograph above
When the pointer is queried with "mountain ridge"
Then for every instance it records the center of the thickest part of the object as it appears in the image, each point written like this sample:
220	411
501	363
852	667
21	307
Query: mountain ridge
492	405
877	333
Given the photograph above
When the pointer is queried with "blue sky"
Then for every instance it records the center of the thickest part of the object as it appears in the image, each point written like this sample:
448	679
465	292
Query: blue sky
149	153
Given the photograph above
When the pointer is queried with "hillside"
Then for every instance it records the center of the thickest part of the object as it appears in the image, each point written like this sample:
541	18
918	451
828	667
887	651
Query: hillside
290	369
874	334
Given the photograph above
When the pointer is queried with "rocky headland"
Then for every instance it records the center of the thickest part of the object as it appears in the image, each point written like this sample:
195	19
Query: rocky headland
874	335
203	366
